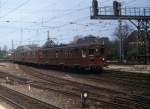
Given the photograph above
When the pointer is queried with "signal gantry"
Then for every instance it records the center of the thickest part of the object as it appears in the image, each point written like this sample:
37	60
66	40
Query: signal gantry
138	16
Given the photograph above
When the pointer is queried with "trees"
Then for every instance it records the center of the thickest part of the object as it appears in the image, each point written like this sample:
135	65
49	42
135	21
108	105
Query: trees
3	52
121	33
112	50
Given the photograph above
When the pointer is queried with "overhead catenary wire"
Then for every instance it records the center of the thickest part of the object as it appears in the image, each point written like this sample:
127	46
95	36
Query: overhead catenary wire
17	21
79	9
65	10
130	2
69	12
15	9
66	14
5	2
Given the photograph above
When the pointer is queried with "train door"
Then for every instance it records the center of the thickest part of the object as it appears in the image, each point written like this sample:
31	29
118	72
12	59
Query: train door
40	56
56	57
75	56
91	56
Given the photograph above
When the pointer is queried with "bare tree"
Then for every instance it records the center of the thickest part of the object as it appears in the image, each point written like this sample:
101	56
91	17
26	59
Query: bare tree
126	30
122	32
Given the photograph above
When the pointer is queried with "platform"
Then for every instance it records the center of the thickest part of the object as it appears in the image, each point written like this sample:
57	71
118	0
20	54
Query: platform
130	68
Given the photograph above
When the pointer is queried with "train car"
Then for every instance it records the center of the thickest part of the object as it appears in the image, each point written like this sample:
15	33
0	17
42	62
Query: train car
79	56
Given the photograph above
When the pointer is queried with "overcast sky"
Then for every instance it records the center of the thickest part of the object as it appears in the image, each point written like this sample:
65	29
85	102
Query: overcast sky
26	21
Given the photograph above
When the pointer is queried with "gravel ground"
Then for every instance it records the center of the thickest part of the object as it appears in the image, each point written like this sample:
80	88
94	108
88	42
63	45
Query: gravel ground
54	98
4	105
15	70
12	69
79	78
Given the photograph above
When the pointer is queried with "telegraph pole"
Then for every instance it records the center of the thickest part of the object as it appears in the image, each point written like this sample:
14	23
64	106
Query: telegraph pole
121	41
12	45
21	36
48	38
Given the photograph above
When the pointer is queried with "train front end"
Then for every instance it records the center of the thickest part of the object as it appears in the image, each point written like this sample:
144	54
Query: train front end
96	57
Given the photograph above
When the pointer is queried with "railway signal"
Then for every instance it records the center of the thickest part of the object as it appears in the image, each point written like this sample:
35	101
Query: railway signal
95	7
84	96
7	79
117	8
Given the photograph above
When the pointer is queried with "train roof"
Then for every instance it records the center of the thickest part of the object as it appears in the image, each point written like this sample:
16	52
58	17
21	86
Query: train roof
75	46
33	48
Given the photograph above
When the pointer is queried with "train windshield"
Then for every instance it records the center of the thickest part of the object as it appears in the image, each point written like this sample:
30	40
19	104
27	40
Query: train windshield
91	51
84	53
101	50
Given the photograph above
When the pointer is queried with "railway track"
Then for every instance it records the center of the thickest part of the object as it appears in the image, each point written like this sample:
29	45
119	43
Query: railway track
133	84
56	88
23	101
98	94
125	79
112	99
12	103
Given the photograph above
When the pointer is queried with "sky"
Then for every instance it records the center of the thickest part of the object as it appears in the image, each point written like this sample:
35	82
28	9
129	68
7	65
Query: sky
27	21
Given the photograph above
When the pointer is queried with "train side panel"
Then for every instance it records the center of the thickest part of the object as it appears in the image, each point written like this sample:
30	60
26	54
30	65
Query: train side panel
87	57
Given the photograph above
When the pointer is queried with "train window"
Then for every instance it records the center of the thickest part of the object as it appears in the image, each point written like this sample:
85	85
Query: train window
76	50
46	52
28	53
91	51
56	54
65	53
70	53
84	53
102	50
32	53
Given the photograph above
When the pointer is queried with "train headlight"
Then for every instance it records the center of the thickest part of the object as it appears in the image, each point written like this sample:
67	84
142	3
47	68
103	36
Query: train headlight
85	94
103	59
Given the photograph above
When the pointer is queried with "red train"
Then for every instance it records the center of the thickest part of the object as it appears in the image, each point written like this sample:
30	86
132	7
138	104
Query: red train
79	56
